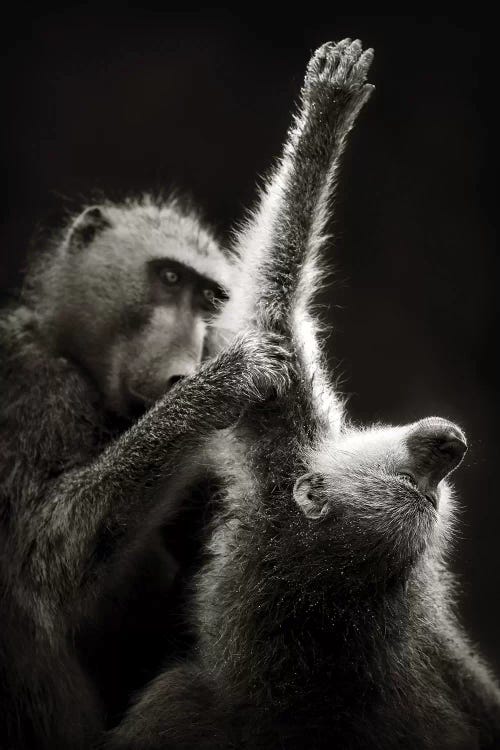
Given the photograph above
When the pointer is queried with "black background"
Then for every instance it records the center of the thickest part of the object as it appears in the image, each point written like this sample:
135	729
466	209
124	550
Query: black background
127	99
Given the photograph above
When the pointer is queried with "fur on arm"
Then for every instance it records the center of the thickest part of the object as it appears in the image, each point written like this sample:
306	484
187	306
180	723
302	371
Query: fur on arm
280	244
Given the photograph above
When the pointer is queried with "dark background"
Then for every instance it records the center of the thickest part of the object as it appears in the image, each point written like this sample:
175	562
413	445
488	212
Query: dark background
133	99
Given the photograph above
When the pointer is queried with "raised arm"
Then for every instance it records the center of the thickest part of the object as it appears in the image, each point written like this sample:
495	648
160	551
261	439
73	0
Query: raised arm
280	242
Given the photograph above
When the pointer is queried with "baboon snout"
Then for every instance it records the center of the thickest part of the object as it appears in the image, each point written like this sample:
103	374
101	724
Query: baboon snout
178	369
436	448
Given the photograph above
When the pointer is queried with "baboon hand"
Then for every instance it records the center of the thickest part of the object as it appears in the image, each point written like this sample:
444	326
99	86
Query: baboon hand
335	80
255	366
265	361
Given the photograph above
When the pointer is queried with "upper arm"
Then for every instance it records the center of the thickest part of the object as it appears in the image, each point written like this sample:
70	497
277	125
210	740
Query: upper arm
48	423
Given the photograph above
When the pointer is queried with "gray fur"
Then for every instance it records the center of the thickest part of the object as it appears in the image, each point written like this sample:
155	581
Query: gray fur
325	610
95	283
81	487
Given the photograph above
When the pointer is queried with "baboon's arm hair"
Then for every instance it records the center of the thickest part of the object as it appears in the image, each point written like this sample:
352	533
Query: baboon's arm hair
89	514
281	241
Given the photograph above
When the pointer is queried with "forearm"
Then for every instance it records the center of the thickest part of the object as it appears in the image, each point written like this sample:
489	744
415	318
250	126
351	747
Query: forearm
280	242
91	514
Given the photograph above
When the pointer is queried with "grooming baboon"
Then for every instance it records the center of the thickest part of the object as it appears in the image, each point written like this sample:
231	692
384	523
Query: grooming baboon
110	319
324	615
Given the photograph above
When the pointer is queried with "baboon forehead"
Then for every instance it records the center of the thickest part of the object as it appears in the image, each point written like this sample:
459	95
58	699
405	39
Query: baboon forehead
146	232
149	220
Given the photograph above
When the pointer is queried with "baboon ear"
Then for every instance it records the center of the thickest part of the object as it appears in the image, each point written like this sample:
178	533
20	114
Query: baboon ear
86	227
309	494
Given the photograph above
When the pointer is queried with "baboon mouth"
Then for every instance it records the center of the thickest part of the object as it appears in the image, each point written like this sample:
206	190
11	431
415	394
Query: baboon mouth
430	497
138	404
136	409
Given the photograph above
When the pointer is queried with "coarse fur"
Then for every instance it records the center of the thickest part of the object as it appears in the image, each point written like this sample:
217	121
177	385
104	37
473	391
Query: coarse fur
100	333
325	610
101	277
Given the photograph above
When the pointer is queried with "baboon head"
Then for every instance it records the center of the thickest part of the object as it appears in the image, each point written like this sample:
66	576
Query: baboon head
130	294
378	498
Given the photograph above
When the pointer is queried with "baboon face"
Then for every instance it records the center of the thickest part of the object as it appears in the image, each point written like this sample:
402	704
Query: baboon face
379	495
170	342
138	290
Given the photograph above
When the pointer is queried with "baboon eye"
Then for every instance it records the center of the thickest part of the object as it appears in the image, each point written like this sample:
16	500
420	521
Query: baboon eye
169	277
408	478
209	295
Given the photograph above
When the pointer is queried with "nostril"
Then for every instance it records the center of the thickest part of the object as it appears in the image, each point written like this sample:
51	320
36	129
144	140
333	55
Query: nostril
436	448
454	448
173	380
447	454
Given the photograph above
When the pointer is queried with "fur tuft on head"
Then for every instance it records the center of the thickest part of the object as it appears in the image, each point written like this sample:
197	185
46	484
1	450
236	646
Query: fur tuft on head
141	228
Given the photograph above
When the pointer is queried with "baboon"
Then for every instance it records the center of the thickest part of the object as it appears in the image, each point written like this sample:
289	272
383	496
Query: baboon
112	324
325	611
